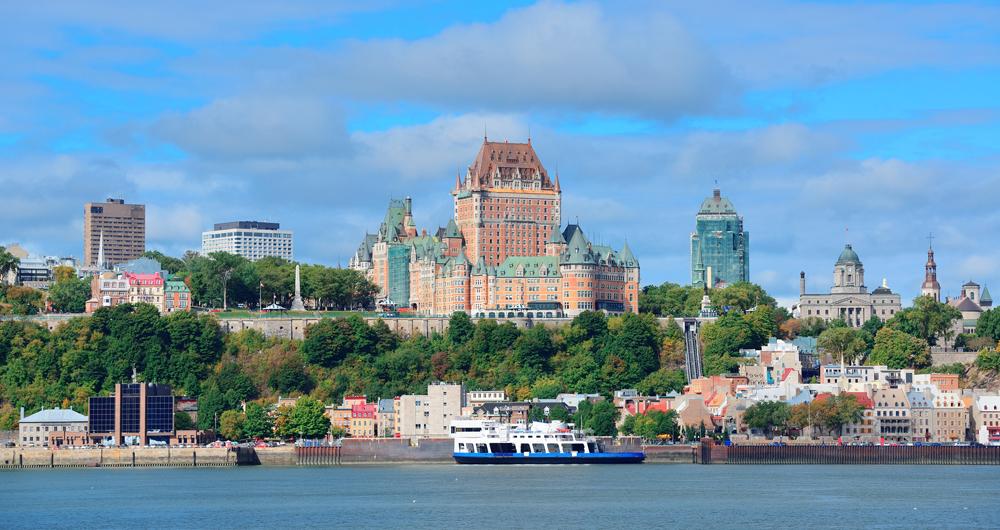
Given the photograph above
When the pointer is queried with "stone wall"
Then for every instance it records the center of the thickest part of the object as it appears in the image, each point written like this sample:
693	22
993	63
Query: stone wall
143	456
951	357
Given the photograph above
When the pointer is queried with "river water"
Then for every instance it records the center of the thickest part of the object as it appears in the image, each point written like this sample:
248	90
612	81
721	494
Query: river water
452	496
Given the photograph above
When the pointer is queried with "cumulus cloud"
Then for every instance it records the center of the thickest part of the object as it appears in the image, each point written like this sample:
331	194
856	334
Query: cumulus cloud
257	126
550	55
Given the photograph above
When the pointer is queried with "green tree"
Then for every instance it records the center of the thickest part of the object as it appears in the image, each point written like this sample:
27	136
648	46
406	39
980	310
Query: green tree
988	324
69	295
811	327
258	424
670	299
534	348
291	376
546	388
24	300
897	349
928	319
183	421
460	328
768	416
662	382
169	264
600	417
328	342
741	296
231	425
988	359
842	342
308	419
8	263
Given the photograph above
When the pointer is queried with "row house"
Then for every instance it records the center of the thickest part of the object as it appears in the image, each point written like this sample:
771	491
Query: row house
158	289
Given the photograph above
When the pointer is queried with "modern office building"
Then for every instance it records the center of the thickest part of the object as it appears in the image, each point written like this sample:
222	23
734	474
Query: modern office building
719	244
251	239
136	414
117	227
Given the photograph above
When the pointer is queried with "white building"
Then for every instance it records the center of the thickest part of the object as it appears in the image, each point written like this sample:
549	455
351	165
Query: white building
849	299
34	430
429	415
251	239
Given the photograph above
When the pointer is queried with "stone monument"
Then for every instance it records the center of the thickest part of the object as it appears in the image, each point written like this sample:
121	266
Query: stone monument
297	304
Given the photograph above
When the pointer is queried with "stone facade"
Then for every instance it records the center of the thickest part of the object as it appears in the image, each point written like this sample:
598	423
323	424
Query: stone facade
849	299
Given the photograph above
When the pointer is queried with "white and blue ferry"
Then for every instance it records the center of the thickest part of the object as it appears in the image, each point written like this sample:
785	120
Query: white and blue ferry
492	442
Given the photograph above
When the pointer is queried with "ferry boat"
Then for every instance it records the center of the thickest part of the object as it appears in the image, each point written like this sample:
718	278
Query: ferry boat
492	442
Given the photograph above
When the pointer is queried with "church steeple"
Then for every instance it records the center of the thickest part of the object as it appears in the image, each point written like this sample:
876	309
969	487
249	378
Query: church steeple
931	287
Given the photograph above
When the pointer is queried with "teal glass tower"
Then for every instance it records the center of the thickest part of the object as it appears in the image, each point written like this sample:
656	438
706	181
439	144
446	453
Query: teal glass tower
720	248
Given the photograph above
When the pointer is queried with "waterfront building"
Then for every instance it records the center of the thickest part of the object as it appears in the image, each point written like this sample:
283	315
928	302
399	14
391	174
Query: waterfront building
503	254
35	429
136	414
720	248
503	411
114	231
951	417
364	420
429	415
340	415
863	430
778	361
942	382
251	239
386	417
849	299
476	397
986	419
892	415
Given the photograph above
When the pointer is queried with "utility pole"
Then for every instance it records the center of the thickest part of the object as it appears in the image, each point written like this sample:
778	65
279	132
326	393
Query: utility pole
225	279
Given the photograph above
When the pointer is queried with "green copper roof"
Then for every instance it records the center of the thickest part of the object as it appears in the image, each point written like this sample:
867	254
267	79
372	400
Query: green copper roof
626	257
480	269
848	256
529	267
557	237
578	250
452	229
985	297
717	205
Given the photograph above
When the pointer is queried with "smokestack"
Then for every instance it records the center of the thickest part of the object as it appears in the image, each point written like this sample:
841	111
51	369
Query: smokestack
802	283
22	413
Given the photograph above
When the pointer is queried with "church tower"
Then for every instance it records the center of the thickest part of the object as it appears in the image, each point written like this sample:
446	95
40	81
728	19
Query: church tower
931	287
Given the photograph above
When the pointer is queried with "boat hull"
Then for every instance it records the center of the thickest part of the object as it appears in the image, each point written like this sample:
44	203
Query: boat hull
549	458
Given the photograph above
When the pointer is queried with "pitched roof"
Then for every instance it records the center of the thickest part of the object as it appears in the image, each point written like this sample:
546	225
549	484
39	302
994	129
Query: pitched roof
557	237
626	256
529	267
578	250
985	297
452	229
55	416
507	159
966	304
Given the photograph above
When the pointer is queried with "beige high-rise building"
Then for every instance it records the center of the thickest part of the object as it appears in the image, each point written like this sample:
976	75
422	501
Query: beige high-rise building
117	228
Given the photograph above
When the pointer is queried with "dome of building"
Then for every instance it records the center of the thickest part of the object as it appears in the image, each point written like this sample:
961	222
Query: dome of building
717	204
848	256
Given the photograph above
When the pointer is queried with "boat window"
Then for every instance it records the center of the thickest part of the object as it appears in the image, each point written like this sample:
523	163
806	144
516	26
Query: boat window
481	448
537	448
502	448
573	447
553	448
461	448
592	447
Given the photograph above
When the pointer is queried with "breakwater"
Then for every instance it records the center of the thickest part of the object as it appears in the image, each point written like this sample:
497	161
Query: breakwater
834	454
41	458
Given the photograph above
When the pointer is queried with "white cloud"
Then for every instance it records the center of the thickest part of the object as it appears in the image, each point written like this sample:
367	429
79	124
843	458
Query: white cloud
551	55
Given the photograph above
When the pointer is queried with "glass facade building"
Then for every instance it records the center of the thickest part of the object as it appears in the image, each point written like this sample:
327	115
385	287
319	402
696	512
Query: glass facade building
720	248
136	410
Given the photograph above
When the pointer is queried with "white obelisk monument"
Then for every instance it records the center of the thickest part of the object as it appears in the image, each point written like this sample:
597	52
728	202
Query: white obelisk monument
297	304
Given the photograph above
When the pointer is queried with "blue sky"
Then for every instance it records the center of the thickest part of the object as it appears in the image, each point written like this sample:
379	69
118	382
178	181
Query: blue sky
824	122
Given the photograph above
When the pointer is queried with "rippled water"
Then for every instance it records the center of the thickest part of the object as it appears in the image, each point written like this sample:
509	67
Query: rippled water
443	496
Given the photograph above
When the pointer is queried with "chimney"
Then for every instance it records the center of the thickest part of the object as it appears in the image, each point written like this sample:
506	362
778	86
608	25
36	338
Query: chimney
802	283
22	413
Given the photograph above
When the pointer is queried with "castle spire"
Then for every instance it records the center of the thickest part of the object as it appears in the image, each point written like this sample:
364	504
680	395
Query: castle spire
931	287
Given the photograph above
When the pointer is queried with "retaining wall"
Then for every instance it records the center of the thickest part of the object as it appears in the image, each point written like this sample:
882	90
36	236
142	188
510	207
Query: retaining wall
834	454
127	457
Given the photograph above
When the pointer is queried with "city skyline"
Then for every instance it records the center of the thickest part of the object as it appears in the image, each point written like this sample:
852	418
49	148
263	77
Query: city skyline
892	145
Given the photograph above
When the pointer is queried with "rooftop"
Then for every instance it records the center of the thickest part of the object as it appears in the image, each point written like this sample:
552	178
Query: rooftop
55	416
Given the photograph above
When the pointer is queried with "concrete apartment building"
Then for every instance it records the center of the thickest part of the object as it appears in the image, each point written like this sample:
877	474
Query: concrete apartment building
251	239
34	430
430	415
117	227
892	415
